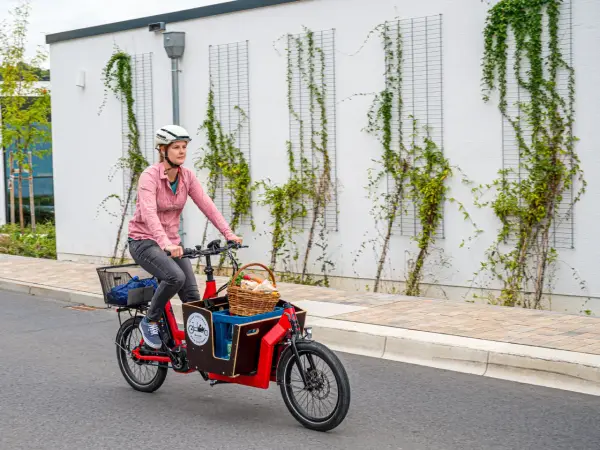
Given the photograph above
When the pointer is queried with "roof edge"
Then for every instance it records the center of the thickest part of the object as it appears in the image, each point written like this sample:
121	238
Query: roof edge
177	16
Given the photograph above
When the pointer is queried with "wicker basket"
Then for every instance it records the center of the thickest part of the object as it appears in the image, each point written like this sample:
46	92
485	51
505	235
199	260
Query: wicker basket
244	302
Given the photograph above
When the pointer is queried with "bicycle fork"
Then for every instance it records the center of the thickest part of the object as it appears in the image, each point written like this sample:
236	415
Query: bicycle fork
290	312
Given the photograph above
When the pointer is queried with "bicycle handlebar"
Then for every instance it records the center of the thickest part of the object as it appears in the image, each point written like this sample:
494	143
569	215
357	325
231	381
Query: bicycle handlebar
211	251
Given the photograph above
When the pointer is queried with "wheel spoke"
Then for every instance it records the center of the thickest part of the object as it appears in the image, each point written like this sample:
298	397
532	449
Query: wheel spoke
305	397
141	373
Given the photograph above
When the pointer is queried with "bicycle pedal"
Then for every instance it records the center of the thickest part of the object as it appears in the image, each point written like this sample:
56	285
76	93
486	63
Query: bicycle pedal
146	350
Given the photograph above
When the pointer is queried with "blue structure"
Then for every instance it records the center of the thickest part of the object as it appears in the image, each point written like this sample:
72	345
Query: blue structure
43	187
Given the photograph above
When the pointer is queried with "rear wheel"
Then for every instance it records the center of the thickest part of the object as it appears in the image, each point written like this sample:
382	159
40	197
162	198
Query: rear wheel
142	376
323	403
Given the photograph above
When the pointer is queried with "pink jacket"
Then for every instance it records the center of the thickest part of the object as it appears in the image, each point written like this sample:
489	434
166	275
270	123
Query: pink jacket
158	209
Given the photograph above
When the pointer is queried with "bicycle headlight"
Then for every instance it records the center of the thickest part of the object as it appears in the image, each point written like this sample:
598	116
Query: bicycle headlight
308	332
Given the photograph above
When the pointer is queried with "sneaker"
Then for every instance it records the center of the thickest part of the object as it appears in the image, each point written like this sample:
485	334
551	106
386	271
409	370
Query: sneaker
150	333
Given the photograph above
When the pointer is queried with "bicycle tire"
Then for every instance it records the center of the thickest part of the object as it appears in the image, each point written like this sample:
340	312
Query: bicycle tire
156	382
288	361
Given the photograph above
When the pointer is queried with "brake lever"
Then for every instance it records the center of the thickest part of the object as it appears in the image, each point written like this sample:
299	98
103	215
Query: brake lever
235	245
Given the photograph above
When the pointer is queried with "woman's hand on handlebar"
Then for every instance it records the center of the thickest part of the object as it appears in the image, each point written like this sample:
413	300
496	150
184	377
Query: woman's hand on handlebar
175	251
236	239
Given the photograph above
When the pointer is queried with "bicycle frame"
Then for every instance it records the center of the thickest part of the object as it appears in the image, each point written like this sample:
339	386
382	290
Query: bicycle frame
177	334
263	376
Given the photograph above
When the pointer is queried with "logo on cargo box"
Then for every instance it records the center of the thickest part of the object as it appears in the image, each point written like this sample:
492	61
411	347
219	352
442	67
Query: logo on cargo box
197	329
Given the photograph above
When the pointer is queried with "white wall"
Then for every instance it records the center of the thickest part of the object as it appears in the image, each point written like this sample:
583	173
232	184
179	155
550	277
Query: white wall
87	145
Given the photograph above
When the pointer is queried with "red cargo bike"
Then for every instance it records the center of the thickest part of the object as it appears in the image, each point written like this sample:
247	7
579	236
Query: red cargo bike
254	351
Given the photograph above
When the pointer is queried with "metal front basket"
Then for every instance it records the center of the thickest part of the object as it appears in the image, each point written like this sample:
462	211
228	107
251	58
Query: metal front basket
113	276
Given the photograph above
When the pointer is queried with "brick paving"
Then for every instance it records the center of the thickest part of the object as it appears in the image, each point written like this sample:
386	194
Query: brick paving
495	323
514	325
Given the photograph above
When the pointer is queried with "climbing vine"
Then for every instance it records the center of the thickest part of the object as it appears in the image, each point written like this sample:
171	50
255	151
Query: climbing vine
428	174
118	79
527	206
310	186
224	161
414	168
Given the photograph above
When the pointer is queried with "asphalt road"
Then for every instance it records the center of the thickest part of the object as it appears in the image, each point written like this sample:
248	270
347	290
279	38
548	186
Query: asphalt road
60	388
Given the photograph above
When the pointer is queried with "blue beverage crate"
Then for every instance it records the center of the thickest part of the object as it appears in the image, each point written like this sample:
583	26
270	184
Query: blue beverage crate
223	324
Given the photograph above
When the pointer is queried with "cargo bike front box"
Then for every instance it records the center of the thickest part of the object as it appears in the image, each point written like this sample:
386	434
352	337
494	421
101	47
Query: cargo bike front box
225	344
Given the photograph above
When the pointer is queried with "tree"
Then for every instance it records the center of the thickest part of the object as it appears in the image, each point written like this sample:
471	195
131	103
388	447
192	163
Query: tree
25	106
41	73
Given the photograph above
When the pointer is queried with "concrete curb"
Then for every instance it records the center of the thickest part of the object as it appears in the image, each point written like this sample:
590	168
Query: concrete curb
65	295
572	371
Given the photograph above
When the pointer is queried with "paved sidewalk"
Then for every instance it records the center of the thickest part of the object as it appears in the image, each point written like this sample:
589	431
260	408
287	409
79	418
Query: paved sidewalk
512	325
538	347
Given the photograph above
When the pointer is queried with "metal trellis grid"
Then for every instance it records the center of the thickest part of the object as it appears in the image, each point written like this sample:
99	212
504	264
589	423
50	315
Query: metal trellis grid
229	76
422	99
307	125
141	73
562	231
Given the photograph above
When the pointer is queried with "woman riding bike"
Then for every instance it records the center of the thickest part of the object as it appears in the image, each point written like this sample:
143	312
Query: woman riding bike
163	190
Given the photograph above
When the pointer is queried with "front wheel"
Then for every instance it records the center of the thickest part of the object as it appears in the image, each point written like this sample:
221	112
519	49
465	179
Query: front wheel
323	403
140	375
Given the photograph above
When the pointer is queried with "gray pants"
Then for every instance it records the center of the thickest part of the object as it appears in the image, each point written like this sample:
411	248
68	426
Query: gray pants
176	275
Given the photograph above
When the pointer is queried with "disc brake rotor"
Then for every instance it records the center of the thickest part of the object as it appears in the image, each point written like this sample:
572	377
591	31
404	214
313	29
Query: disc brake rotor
320	385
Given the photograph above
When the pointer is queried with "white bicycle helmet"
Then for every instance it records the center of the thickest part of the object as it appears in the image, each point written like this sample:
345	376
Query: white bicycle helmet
167	135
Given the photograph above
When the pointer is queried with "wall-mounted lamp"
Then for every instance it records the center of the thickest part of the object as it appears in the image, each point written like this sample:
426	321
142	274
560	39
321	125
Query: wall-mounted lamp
80	80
